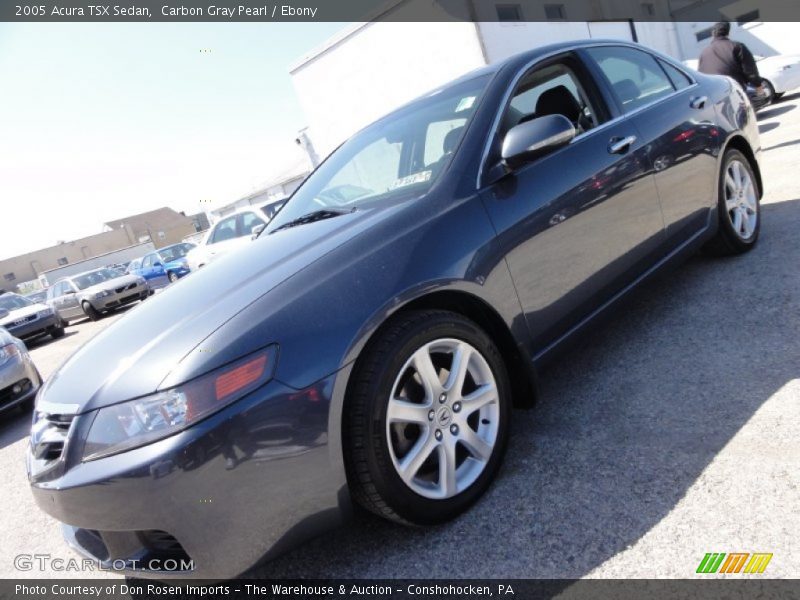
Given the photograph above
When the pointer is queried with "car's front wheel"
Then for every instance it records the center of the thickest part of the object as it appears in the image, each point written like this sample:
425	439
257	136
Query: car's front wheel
173	276
427	418
91	312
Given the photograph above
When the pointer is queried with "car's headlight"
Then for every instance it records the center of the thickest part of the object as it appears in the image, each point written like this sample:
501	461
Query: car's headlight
102	294
8	352
138	422
46	312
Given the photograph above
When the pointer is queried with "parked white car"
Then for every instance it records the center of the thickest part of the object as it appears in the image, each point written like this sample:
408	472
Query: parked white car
780	73
227	234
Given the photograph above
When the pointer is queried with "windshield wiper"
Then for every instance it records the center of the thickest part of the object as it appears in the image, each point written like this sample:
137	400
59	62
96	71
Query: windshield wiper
317	215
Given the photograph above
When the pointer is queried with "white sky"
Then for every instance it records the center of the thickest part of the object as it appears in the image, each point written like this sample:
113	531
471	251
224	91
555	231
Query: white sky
99	121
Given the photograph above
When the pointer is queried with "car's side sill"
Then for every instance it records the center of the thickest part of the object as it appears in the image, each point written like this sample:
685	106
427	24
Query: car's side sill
678	254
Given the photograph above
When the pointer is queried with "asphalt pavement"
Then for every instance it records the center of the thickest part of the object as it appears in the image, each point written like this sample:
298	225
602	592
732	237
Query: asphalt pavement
672	432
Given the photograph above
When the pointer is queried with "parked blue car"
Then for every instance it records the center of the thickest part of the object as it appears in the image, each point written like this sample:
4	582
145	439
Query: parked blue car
163	267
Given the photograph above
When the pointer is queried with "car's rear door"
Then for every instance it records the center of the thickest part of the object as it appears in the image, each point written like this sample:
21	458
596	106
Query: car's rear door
578	224
676	121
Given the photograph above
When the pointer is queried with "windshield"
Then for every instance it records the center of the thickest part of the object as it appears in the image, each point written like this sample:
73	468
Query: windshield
174	252
13	302
397	157
94	277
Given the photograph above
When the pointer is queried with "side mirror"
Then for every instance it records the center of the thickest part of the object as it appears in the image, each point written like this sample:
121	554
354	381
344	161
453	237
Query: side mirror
256	231
528	141
4	313
158	264
68	292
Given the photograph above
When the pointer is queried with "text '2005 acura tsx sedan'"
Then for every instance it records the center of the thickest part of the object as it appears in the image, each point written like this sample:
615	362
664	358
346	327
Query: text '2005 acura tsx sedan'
369	346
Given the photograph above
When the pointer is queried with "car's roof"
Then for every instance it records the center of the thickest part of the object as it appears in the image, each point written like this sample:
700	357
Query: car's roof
515	62
523	58
74	275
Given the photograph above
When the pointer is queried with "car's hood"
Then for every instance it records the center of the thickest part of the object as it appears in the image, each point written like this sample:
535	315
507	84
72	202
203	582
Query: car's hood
135	354
21	313
111	284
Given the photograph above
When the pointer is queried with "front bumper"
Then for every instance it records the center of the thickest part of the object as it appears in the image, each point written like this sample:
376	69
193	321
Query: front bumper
787	80
34	327
118	299
18	372
247	483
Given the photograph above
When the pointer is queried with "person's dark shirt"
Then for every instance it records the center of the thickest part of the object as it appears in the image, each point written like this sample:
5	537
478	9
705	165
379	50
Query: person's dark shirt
725	57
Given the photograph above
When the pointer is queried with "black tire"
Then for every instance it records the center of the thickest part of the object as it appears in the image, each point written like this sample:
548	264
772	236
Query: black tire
770	89
57	332
91	312
374	482
727	241
172	276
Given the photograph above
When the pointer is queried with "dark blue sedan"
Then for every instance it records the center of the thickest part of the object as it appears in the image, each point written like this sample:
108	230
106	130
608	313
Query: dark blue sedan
163	267
369	346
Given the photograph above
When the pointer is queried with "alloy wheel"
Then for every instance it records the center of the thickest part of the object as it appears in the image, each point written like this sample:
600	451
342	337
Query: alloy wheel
741	200
442	419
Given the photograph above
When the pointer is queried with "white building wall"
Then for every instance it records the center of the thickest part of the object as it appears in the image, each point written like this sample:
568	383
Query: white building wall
764	38
377	68
502	40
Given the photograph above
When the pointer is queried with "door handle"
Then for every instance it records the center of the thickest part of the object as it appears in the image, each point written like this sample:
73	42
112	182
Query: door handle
620	145
698	102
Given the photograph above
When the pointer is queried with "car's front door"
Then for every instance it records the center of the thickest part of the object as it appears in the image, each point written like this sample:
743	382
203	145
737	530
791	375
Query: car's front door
580	223
153	270
677	121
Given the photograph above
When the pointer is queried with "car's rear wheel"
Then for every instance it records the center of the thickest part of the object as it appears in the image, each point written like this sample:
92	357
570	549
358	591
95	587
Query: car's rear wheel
738	207
769	89
91	312
427	418
57	332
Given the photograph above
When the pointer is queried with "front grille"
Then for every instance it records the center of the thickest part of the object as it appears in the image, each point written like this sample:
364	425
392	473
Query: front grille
161	541
24	320
130	286
49	436
8	395
141	550
125	299
92	541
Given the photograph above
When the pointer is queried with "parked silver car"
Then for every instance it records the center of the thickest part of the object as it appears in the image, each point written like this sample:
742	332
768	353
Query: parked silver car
93	293
19	379
26	319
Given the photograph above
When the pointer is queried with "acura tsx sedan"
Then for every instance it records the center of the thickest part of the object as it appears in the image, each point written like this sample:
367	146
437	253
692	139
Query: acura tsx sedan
369	347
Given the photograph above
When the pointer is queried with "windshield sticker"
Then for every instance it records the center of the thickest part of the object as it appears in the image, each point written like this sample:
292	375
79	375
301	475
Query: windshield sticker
465	103
420	177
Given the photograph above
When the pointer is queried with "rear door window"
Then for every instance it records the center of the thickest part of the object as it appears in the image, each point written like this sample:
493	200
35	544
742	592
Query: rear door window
634	75
678	78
